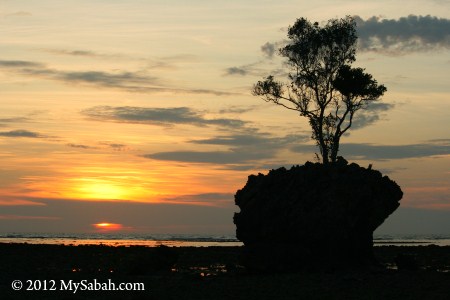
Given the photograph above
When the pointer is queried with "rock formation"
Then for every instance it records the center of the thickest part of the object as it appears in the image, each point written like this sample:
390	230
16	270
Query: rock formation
313	216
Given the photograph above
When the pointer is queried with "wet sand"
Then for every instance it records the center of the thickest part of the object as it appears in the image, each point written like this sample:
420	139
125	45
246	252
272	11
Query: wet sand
210	273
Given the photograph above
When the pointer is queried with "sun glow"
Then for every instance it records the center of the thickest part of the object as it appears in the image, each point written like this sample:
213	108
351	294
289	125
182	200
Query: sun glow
108	185
142	182
108	226
97	189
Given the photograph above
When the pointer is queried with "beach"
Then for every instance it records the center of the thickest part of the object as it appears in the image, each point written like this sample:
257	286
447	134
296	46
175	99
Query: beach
91	271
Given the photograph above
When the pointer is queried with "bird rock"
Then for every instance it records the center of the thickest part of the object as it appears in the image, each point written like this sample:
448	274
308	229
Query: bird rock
313	216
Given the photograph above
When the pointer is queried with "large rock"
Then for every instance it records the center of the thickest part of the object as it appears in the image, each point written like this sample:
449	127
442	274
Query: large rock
313	216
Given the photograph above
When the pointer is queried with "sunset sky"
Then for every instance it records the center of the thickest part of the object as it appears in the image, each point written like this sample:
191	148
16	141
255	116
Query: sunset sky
139	113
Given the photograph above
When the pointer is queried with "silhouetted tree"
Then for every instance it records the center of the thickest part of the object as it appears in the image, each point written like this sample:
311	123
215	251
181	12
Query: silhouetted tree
323	86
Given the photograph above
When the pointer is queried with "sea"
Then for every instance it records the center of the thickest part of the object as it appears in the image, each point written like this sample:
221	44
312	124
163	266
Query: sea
189	240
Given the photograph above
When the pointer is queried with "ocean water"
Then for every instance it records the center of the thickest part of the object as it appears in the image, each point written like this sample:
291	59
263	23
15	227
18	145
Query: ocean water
412	240
189	240
149	240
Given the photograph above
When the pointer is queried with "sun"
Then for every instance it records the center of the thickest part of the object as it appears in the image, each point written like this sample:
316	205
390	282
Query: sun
108	226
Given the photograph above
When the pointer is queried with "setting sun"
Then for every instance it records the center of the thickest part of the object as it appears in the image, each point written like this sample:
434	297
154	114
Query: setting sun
108	226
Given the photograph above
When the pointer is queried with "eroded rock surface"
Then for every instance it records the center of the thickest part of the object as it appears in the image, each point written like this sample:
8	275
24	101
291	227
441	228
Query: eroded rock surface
313	216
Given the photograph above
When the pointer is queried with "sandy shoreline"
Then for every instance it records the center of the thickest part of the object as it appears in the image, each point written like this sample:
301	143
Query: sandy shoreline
211	273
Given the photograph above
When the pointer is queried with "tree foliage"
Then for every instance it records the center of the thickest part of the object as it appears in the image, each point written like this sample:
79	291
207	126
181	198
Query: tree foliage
323	86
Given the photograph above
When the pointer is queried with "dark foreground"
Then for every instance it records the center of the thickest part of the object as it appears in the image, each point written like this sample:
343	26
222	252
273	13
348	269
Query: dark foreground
52	272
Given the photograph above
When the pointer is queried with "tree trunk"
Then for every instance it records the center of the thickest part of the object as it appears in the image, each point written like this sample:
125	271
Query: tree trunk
335	148
323	145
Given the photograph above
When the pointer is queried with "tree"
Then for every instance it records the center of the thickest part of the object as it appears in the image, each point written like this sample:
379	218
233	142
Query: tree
323	85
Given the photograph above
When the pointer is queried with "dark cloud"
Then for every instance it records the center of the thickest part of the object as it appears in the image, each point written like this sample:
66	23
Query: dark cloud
139	82
407	34
22	133
371	114
107	79
254	140
393	36
249	69
269	49
382	152
243	151
131	81
20	64
157	116
236	71
232	140
212	157
253	70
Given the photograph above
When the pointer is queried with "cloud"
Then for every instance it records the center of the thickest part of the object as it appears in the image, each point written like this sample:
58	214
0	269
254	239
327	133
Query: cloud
132	81
85	53
382	152
244	151
236	109
22	133
371	114
14	120
249	69
236	71
16	217
392	36
158	63
139	82
270	48
120	80
212	157
8	201
209	199
80	146
156	116
20	64
115	146
405	35
256	140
